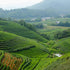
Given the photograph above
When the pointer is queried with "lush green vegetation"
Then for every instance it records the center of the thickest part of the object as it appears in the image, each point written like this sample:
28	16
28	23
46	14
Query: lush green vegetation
66	24
48	30
2	66
62	63
44	9
19	29
11	42
25	46
63	45
53	21
53	6
25	13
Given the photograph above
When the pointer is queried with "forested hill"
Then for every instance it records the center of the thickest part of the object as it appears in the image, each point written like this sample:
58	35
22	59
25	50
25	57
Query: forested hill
47	8
25	13
22	29
59	6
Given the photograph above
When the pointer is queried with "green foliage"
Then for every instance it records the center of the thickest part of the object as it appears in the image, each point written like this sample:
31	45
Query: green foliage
62	63
18	29
36	53
33	64
2	66
27	25
8	68
1	55
53	33
63	34
11	42
63	45
66	24
24	13
39	26
44	62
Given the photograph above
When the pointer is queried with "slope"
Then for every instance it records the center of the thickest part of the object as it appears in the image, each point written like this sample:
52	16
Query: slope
21	30
58	6
21	45
63	45
24	13
62	63
10	61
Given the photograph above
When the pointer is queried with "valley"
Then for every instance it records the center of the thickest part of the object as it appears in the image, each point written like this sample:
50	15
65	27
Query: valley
43	45
35	37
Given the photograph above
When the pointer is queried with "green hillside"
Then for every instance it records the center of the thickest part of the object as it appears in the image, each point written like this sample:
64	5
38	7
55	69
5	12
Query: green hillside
24	13
14	43
62	63
22	47
10	61
60	6
46	8
63	45
19	29
2	66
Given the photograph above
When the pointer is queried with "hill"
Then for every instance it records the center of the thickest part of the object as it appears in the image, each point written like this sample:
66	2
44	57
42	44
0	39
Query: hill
27	49
24	13
60	6
21	45
21	30
61	63
47	8
23	48
9	62
62	45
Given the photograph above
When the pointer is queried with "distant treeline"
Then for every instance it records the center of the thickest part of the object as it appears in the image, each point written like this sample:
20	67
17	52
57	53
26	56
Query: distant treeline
65	24
25	13
58	35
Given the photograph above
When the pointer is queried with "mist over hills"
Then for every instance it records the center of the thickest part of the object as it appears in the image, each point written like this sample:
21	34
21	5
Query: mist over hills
25	13
45	4
46	8
60	6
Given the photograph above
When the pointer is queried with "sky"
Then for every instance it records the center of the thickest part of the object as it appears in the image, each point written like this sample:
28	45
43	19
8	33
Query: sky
13	4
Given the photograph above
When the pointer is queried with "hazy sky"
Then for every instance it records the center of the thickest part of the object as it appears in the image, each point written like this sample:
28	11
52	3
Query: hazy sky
11	4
